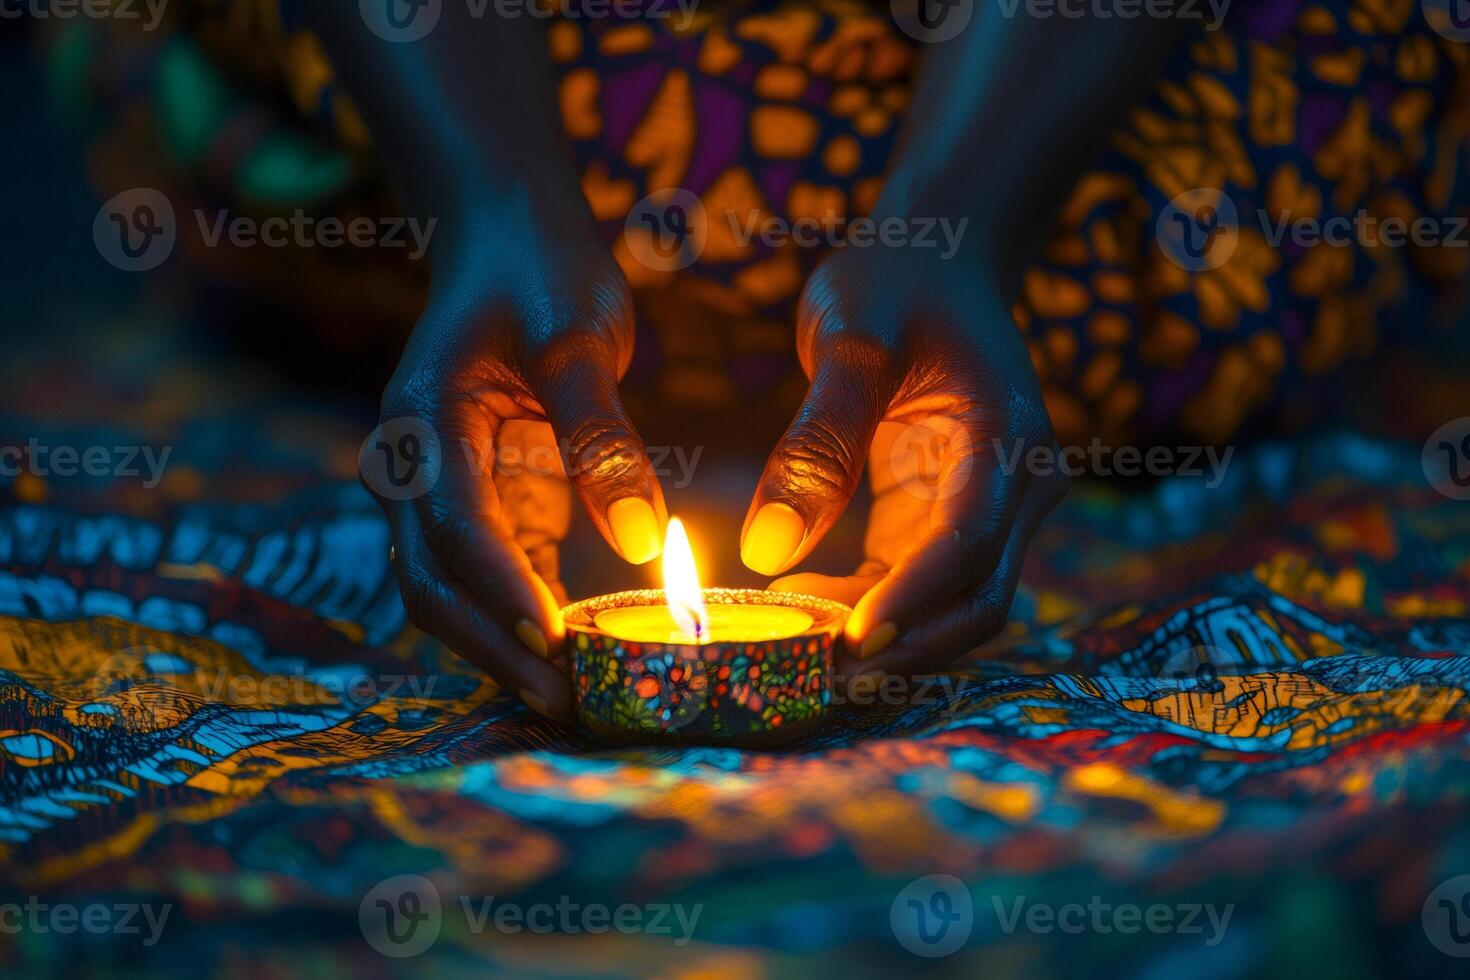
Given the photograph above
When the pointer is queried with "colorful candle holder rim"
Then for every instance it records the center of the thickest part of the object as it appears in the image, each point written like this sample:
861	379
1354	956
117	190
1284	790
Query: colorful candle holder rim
827	615
752	694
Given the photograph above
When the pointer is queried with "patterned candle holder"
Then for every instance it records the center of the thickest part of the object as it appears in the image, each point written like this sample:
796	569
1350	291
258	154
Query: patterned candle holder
750	693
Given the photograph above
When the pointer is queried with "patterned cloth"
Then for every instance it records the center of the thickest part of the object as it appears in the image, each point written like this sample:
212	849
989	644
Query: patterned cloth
1243	705
1250	696
1292	110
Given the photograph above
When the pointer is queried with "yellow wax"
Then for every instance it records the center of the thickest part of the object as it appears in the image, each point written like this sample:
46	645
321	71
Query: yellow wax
736	622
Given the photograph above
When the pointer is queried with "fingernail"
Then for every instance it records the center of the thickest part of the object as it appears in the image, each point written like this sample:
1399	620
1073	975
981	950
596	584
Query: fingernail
635	529
532	637
877	640
535	702
773	538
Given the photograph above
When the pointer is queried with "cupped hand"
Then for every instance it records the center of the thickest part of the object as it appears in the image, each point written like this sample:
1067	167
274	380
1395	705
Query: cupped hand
507	394
917	367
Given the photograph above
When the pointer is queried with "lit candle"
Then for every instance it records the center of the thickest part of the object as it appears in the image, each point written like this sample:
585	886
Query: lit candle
684	616
688	664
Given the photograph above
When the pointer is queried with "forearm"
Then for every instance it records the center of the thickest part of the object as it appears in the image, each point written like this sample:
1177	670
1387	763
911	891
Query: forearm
1008	115
464	120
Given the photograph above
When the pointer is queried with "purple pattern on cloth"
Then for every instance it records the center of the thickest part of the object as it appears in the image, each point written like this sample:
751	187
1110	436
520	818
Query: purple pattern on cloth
1172	390
1315	45
1321	113
1293	326
720	116
1263	19
742	74
818	92
1381	94
776	180
625	99
756	371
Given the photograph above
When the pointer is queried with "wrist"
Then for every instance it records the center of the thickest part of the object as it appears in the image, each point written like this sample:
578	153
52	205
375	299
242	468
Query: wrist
496	217
1000	239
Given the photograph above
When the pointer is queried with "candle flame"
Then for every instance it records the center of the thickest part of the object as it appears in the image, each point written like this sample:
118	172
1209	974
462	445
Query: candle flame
681	582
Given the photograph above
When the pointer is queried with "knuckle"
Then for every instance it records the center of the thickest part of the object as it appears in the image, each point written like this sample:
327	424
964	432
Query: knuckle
608	301
448	537
860	350
821	303
420	599
603	450
817	459
1028	417
598	288
425	396
841	291
982	611
1052	488
822	313
595	317
989	606
985	530
404	397
574	350
865	346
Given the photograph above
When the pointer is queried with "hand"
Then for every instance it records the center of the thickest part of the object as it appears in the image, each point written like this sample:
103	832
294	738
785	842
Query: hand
514	367
917	366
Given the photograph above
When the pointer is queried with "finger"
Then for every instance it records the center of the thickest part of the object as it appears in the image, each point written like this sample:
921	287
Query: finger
460	520
896	516
545	558
814	470
440	605
576	382
846	589
535	496
965	622
975	503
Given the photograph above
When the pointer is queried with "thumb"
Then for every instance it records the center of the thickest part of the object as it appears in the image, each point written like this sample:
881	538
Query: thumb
605	458
815	468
